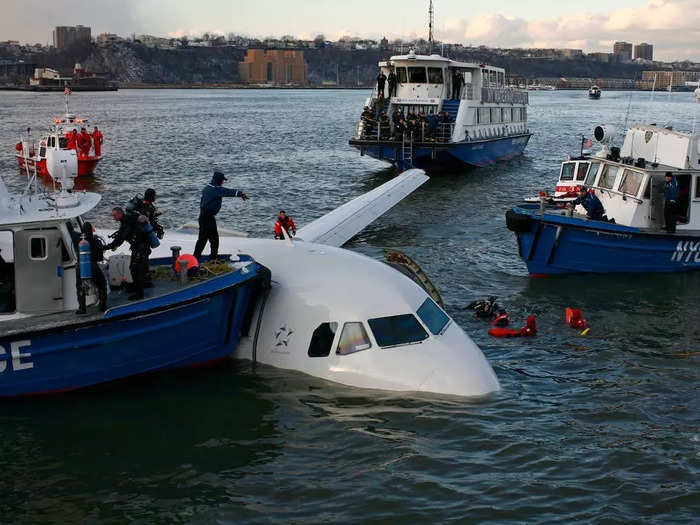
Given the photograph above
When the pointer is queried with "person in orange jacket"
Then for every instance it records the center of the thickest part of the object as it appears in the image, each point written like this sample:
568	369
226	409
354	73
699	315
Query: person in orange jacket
71	139
97	140
84	143
286	222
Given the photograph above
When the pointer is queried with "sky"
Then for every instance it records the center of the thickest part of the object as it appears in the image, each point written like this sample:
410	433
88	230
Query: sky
673	26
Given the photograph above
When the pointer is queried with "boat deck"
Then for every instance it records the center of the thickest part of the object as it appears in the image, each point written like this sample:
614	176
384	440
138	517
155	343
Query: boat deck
163	285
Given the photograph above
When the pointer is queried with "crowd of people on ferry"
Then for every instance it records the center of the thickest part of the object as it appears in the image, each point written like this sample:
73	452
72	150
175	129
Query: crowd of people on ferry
416	125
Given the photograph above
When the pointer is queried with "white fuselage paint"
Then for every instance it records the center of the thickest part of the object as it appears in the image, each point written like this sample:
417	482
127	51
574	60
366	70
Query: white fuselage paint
314	284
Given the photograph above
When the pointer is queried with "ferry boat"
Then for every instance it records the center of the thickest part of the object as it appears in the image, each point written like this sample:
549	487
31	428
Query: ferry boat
42	156
486	120
594	92
556	238
45	347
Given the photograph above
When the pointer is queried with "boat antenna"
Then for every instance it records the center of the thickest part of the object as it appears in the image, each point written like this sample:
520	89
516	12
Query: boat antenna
431	20
651	99
627	113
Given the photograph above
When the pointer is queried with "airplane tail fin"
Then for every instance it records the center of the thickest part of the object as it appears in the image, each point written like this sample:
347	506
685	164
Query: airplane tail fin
342	224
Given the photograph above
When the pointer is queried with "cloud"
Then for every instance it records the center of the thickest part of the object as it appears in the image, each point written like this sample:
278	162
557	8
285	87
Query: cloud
672	25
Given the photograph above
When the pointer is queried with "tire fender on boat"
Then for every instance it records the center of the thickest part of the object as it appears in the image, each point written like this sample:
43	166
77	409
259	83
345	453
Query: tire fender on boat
517	222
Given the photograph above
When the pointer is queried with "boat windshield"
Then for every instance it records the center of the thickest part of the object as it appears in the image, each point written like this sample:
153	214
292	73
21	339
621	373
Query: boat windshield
592	172
416	75
631	182
401	77
581	171
567	171
607	177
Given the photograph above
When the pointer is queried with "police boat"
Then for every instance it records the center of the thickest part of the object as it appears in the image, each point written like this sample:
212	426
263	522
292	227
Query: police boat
558	238
348	318
594	92
58	329
486	120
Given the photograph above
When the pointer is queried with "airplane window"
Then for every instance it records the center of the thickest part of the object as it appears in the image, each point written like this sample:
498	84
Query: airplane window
397	330
322	340
434	318
353	339
567	171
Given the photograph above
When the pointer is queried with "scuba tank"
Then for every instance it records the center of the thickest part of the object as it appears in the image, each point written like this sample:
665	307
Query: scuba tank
152	237
85	258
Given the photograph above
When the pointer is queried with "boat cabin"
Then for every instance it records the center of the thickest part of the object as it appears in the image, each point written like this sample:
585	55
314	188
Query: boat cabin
630	184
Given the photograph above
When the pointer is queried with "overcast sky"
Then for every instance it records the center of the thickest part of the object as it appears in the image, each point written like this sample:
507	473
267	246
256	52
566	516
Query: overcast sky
673	26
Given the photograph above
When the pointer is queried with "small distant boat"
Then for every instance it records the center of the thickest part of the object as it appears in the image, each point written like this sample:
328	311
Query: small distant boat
594	92
54	149
554	238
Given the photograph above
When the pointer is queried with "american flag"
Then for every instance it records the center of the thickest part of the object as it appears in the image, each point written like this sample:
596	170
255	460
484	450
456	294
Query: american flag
67	91
587	143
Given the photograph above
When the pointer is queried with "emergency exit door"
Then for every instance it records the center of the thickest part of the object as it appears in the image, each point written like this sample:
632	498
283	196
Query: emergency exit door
38	255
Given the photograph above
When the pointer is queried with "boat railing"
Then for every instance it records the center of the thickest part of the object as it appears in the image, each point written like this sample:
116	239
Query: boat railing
504	96
469	93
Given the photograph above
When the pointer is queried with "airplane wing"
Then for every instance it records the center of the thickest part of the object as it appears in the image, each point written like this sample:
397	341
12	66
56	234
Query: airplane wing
342	224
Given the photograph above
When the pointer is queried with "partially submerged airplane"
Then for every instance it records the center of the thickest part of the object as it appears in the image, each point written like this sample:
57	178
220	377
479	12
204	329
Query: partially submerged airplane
341	316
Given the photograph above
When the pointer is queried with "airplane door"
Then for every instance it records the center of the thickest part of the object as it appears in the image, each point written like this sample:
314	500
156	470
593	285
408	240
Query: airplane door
38	255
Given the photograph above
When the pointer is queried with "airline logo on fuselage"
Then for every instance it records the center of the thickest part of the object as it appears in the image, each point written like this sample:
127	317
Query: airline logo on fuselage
18	360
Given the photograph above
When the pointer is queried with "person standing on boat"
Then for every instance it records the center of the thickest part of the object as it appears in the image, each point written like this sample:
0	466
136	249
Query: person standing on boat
209	206
97	140
392	83
71	139
381	81
594	208
671	195
84	143
457	82
132	230
146	206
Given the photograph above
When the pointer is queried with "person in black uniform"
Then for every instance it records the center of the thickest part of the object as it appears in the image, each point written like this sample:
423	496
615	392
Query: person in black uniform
146	206
131	229
209	206
381	81
392	83
457	83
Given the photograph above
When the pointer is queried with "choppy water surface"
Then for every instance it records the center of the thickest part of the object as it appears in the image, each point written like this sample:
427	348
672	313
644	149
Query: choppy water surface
597	429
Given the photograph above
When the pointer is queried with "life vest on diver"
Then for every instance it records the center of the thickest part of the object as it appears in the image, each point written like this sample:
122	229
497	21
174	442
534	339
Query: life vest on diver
529	330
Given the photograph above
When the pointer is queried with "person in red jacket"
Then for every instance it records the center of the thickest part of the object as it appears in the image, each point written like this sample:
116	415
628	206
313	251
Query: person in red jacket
286	222
97	140
84	143
71	139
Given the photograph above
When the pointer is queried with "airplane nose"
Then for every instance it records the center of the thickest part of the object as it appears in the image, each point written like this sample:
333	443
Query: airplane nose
461	369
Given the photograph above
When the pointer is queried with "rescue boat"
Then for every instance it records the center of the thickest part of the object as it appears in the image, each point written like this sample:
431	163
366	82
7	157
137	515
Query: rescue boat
42	156
594	92
632	235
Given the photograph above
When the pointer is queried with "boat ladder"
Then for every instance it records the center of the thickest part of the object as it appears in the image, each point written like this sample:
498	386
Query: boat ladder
407	152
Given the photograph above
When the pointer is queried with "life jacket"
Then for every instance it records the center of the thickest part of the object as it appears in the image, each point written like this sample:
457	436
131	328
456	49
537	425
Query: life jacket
574	318
529	330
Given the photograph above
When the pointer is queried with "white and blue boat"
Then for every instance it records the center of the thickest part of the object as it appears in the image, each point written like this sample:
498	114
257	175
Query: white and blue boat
46	347
557	238
487	119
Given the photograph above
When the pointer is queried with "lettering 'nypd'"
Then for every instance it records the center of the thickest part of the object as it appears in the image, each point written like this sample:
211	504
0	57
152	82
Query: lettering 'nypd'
19	360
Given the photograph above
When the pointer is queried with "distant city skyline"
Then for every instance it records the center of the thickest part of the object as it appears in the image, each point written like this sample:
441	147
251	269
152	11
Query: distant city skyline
673	26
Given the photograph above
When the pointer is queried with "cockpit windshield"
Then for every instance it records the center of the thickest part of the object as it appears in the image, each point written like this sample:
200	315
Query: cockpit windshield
434	318
397	330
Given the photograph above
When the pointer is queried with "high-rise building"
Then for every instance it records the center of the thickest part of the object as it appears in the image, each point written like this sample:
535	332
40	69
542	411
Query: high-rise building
644	50
622	51
64	36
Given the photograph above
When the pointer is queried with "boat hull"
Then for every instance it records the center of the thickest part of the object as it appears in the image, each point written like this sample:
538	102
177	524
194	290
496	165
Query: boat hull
557	245
436	157
86	165
195	325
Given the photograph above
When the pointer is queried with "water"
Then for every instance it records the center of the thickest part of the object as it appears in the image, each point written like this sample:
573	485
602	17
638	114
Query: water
597	429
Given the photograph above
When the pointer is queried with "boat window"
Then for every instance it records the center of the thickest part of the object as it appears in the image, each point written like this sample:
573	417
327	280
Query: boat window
397	330
401	77
582	170
505	114
515	114
37	248
631	182
435	75
416	75
62	142
592	172
495	115
322	340
567	171
353	339
607	177
697	187
484	115
432	315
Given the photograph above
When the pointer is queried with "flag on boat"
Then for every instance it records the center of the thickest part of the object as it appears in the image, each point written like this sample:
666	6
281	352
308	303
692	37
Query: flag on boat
587	143
67	91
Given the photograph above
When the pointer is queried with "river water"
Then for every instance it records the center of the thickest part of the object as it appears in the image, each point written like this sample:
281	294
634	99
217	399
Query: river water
603	428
